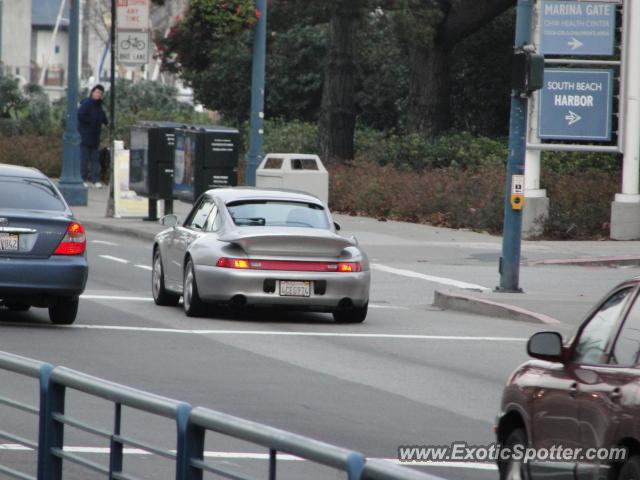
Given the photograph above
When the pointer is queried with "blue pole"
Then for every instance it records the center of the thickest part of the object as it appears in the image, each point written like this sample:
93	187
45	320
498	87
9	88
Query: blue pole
512	230
71	184
254	155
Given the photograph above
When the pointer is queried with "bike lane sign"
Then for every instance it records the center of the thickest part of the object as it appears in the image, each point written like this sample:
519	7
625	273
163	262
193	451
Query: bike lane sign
132	46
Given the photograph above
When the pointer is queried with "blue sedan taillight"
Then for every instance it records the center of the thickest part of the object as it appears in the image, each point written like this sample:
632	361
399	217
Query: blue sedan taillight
74	241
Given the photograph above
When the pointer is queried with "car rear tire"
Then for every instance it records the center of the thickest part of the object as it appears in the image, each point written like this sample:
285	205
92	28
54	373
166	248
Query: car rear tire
18	307
631	469
351	315
160	294
514	469
64	311
193	305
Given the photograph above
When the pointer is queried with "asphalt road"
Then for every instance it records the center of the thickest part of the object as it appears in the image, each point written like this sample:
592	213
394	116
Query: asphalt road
410	375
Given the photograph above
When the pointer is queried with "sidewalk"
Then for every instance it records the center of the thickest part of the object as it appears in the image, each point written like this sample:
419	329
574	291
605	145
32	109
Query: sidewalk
563	279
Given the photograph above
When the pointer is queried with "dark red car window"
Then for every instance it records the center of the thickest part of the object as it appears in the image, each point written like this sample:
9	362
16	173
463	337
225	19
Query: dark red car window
595	336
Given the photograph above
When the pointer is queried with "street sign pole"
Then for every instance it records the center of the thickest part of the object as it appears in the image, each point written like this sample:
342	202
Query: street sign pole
71	184
257	96
112	111
512	231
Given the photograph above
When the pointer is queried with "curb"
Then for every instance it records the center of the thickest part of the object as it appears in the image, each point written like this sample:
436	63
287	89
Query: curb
117	229
591	261
463	302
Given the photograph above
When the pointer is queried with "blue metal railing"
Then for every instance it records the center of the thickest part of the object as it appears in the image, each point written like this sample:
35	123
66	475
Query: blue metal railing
192	425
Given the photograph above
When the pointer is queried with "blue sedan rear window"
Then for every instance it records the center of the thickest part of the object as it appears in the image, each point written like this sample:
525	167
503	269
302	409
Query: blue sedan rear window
278	214
29	194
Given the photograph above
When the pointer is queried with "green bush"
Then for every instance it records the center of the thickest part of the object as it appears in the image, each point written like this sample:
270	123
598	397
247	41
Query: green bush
580	203
448	197
415	152
576	162
42	152
285	137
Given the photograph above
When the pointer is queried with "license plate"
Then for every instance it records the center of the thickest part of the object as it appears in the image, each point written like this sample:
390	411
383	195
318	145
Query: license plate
8	242
292	288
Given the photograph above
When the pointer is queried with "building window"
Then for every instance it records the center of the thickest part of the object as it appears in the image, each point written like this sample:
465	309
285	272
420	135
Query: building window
57	49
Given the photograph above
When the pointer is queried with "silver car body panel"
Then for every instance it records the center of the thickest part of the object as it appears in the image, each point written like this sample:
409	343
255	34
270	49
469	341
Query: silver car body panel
216	284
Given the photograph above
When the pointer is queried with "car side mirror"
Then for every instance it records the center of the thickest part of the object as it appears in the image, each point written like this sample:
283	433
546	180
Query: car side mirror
170	220
337	226
545	346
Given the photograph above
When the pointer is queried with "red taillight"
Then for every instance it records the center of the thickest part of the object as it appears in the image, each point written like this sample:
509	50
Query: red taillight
289	265
233	263
349	267
74	241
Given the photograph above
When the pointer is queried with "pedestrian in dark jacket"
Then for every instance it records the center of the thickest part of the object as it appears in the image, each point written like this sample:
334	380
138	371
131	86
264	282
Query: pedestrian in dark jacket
91	117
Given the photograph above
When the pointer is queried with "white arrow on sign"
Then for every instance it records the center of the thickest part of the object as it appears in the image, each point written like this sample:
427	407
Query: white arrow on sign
575	43
572	118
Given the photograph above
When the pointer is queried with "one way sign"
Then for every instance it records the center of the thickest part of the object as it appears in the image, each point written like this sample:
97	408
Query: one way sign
577	28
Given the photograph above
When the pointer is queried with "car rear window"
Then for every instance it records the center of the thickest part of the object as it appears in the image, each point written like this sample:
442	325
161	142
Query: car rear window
29	194
278	214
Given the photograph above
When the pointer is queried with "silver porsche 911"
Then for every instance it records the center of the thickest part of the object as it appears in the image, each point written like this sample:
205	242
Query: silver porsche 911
260	247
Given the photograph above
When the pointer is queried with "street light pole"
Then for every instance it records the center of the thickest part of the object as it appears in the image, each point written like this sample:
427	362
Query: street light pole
71	184
254	155
512	231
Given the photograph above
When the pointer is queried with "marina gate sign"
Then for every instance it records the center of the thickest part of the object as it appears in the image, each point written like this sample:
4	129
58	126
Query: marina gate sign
577	28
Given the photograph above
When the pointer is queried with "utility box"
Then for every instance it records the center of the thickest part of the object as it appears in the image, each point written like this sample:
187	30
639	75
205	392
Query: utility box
151	162
294	171
205	157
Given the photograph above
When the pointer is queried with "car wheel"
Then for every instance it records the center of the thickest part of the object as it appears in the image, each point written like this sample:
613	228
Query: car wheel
160	294
512	469
631	469
64	311
351	315
193	306
18	307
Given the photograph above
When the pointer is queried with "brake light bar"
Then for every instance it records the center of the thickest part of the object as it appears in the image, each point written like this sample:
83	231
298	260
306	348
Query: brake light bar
74	241
289	265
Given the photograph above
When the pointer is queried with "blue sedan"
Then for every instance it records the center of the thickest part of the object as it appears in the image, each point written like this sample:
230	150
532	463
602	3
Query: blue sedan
43	260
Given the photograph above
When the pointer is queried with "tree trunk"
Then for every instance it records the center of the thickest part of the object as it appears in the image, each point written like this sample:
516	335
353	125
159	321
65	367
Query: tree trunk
338	115
429	90
429	109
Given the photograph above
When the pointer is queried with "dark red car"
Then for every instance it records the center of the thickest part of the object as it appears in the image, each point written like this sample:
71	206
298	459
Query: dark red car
576	408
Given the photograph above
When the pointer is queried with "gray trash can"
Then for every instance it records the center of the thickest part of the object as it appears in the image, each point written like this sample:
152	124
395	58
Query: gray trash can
294	171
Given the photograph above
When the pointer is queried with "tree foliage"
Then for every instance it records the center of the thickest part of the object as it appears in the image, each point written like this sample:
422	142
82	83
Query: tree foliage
12	99
418	65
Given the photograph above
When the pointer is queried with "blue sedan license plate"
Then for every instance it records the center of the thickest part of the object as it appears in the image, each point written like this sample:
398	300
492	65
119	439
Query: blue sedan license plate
8	242
293	288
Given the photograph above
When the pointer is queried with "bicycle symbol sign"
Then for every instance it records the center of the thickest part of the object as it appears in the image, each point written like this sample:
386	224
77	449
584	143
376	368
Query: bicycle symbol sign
133	47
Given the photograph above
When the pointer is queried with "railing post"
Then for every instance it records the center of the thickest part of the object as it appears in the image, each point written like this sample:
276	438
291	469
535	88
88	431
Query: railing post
190	445
45	376
115	457
355	465
51	434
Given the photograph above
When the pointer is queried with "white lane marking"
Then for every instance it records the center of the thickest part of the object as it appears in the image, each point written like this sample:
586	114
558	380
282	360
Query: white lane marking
388	307
144	267
114	259
469	465
287	334
430	278
251	456
104	242
116	297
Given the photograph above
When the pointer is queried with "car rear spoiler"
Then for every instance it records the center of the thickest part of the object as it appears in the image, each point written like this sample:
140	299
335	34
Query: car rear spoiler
288	241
